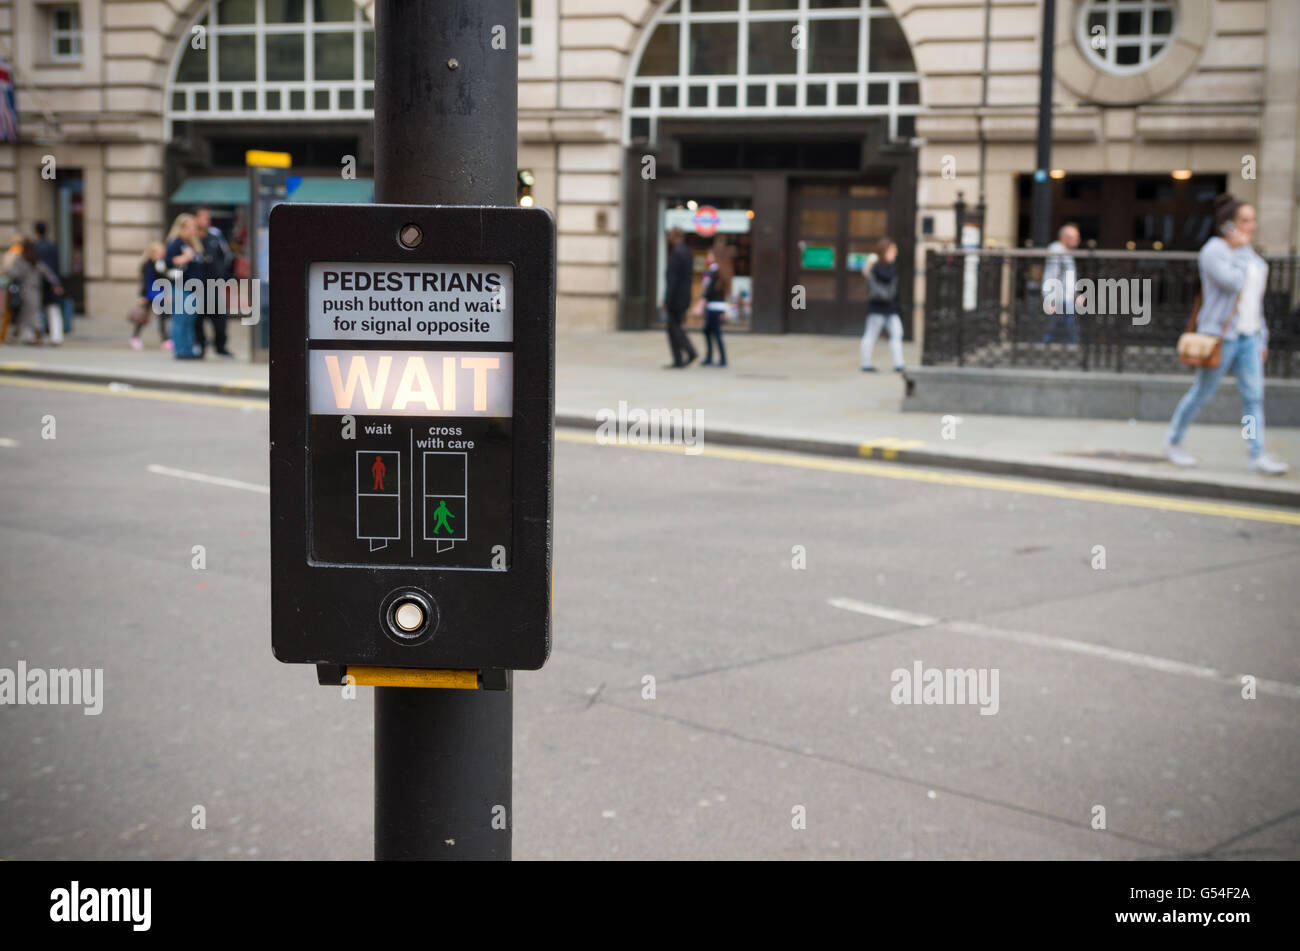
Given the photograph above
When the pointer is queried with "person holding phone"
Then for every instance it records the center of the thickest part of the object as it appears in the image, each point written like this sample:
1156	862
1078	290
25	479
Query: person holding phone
184	256
1233	280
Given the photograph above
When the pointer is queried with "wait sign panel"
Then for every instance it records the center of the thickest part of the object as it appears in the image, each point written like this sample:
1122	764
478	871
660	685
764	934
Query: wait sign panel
412	402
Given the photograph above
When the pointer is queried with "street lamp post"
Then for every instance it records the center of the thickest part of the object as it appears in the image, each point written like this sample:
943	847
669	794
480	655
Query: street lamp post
1042	193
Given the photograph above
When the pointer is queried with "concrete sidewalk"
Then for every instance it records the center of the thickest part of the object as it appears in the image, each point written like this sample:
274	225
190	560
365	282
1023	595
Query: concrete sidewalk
801	393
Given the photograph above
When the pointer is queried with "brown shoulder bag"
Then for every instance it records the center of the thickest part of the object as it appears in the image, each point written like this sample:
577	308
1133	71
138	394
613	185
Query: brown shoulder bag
1203	350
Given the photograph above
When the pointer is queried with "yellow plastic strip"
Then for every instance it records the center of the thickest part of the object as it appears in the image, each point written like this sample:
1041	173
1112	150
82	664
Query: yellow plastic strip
408	677
888	447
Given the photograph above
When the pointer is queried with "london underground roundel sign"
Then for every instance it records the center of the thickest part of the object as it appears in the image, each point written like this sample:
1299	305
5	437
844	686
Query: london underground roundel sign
706	221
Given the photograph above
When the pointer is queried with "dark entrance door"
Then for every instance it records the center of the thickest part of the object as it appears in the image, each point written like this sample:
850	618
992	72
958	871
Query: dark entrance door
833	226
70	235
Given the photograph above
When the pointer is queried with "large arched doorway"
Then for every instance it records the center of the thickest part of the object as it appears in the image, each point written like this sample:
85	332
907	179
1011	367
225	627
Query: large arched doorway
792	118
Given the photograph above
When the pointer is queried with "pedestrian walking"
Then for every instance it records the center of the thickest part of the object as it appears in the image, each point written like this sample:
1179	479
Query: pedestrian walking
184	256
51	303
677	298
713	299
8	314
153	278
30	273
1233	279
218	264
1060	288
881	273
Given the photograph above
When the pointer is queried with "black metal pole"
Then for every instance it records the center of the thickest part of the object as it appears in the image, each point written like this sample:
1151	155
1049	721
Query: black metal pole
446	127
1042	194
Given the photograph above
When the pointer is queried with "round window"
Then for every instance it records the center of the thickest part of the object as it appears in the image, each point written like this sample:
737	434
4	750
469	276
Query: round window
1125	36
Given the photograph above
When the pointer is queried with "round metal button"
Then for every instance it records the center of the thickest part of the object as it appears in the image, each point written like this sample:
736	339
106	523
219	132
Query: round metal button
409	616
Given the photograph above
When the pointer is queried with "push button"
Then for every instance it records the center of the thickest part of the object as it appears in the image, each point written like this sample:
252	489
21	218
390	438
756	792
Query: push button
409	616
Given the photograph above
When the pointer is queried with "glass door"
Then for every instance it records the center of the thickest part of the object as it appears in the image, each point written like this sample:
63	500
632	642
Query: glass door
705	220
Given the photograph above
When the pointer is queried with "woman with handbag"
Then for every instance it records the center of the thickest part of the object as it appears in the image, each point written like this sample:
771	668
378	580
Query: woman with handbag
30	274
1230	334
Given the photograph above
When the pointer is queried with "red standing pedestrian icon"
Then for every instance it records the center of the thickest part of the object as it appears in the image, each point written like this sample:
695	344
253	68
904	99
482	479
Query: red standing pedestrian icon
378	470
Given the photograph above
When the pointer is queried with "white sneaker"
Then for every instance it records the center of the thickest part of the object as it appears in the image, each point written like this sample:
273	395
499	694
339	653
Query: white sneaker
1268	465
1178	455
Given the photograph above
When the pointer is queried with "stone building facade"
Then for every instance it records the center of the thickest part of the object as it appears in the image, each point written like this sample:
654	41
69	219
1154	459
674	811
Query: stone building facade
811	127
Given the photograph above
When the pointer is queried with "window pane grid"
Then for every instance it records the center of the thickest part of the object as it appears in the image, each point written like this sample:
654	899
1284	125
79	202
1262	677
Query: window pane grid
828	72
754	16
65	33
525	26
257	67
1134	33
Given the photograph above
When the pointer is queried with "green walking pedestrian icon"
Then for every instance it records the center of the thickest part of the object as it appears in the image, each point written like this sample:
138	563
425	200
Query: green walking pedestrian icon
440	515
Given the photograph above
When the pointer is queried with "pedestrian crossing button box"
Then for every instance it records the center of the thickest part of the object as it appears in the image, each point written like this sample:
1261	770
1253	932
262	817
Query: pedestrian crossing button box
412	412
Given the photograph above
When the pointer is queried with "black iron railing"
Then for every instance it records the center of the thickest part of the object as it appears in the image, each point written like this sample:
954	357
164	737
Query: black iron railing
986	309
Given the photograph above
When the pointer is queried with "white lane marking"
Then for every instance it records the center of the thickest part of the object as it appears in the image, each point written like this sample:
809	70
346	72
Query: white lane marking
889	614
210	480
1132	658
7	443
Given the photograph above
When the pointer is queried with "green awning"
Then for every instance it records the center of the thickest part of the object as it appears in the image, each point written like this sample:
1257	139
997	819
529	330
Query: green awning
351	191
232	190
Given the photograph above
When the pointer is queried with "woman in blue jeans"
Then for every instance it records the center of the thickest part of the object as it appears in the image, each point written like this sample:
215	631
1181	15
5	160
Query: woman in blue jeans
184	256
715	288
1233	279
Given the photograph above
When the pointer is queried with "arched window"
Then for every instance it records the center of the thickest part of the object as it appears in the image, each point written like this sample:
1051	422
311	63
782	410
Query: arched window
774	57
275	59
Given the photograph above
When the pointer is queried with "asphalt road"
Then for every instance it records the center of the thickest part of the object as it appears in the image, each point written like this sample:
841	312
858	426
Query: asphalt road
1117	688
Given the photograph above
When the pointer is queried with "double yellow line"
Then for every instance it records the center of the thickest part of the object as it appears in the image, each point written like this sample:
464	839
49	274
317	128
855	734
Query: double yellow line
882	470
887	448
134	392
